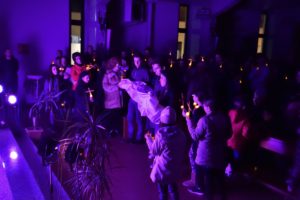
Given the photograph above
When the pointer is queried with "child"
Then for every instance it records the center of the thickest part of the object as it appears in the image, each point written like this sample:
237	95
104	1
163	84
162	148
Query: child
167	150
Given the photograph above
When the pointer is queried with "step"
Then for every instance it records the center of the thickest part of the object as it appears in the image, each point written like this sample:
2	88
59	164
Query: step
27	177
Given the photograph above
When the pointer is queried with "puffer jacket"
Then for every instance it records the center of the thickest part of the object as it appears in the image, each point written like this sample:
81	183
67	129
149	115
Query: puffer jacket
168	151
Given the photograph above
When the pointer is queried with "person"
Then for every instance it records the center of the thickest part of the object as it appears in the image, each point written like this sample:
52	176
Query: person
52	83
83	97
240	139
195	115
9	67
211	132
140	74
112	96
76	69
167	149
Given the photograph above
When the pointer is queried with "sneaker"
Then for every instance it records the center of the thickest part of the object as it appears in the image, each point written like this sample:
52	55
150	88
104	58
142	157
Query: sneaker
188	183
196	191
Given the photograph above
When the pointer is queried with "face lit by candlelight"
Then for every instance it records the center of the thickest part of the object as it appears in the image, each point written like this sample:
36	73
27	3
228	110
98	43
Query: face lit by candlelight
54	70
156	69
86	78
137	62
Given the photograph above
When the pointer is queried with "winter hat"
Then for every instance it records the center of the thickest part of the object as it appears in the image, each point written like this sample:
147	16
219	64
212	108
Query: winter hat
168	115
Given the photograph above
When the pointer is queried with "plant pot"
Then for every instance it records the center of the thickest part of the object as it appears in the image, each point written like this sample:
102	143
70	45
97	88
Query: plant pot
34	132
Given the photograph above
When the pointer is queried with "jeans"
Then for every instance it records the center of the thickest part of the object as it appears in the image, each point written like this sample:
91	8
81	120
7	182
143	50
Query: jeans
134	118
192	155
209	180
164	188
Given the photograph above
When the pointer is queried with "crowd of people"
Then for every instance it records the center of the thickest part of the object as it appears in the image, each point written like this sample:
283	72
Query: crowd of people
219	109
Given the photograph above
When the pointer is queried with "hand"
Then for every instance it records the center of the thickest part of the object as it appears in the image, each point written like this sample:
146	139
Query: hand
185	113
148	136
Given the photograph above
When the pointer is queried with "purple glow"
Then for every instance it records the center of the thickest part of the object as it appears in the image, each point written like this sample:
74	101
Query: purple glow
12	99
13	155
1	89
3	165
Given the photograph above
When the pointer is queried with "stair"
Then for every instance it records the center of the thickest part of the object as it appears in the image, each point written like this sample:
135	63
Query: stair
25	177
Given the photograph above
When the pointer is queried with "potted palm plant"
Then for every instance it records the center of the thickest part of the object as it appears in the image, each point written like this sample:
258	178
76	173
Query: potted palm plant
43	109
86	150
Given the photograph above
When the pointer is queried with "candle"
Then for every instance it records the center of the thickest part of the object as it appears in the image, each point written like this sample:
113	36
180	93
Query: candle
190	62
241	68
187	114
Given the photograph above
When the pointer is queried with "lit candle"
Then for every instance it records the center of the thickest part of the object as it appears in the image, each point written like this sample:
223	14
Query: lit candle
240	81
202	59
286	77
171	64
221	66
241	68
190	62
182	107
187	114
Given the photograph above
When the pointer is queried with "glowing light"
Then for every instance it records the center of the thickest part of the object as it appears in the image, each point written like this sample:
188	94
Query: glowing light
187	114
171	64
286	77
190	62
221	66
1	89
3	165
12	99
241	68
13	155
52	63
240	81
202	59
257	68
182	107
267	65
170	53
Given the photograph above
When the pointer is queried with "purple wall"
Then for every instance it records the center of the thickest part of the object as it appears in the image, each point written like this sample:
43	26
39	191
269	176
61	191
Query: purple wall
34	30
165	27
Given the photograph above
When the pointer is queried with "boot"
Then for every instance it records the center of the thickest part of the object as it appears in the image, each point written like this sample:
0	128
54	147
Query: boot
191	182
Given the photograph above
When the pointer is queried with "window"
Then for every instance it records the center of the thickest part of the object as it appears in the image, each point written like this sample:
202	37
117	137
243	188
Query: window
182	30
76	29
261	33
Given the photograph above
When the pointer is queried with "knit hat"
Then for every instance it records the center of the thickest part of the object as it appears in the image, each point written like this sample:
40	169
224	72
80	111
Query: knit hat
168	116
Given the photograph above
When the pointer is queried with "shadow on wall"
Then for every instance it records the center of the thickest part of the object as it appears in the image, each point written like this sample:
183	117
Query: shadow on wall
30	57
